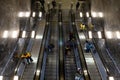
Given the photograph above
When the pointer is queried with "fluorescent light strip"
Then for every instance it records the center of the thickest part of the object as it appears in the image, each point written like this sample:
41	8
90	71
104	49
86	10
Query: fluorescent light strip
109	34
94	14
14	34
90	34
118	34
1	77
99	34
100	14
20	14
33	34
40	14
87	14
33	14
27	14
81	15
15	77
23	34
111	78
5	34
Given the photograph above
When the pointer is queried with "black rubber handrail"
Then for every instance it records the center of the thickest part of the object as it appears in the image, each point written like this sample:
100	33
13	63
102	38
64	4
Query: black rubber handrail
61	59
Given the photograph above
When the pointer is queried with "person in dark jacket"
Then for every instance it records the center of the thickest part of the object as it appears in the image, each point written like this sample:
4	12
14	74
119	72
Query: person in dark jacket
54	4
50	47
77	5
71	36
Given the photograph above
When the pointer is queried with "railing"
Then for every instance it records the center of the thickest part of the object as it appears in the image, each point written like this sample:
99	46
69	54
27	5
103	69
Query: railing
61	59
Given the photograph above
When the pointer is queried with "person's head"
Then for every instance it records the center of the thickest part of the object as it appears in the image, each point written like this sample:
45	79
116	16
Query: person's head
79	69
86	41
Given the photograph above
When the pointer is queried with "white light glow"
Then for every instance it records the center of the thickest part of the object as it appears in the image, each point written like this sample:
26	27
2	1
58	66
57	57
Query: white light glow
38	71
33	14
100	14
90	34
94	14
20	14
118	34
81	36
15	77
109	34
5	34
35	59
27	14
14	34
85	72
39	36
23	34
1	77
87	14
81	15
111	78
33	34
99	34
90	60
23	14
40	14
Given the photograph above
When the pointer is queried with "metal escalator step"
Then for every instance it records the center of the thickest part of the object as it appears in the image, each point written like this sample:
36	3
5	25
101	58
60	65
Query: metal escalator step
69	57
51	64
50	78
50	71
69	78
69	64
69	71
27	77
72	68
51	75
29	70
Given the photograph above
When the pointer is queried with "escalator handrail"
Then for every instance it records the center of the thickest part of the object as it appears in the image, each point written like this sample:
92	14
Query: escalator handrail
61	51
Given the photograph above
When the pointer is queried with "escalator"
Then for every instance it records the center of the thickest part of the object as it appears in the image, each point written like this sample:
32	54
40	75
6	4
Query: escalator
90	62
9	68
30	69
69	58
23	70
51	68
104	53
